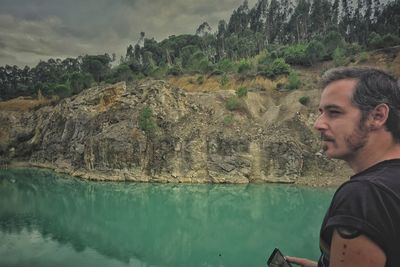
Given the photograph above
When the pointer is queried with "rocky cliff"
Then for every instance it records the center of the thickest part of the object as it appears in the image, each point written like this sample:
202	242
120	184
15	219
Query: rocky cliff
96	135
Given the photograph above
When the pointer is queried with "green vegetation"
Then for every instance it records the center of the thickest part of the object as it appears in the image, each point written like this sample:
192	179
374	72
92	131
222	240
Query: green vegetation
224	81
304	100
62	90
241	91
146	121
268	38
293	81
339	57
226	65
232	103
200	79
244	67
228	120
363	57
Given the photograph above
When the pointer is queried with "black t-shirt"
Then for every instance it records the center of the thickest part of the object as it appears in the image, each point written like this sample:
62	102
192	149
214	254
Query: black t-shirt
370	203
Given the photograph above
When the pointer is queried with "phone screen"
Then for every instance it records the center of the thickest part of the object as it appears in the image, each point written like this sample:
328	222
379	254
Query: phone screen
277	259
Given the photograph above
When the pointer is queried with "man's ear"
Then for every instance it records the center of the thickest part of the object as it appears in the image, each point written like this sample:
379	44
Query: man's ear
379	116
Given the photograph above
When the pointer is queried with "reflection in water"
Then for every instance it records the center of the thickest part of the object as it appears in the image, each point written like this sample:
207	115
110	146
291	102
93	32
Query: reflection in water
131	224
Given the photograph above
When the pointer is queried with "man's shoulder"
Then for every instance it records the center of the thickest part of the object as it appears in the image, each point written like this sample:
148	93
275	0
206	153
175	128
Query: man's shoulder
387	171
382	181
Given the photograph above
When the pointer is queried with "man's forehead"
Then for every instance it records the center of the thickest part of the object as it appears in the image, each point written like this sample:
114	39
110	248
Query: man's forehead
338	93
340	88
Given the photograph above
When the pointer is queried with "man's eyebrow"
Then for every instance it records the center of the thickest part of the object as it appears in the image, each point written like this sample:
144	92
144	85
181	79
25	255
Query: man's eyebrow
331	106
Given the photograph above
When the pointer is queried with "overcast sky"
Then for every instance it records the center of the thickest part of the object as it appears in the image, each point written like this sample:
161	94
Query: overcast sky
33	30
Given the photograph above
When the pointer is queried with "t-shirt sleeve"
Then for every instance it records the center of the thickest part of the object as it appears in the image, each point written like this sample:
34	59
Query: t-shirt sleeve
360	206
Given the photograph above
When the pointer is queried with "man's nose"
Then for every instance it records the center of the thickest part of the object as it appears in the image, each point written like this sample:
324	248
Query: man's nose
320	123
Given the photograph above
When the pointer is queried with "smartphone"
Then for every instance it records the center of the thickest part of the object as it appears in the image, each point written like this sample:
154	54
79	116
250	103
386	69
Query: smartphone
277	259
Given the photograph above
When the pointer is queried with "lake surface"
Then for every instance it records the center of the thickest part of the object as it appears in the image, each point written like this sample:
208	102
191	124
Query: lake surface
48	219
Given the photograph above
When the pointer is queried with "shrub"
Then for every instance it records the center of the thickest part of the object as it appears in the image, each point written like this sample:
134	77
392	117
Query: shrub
390	40
146	121
351	49
174	70
244	66
200	79
331	41
339	58
204	66
296	55
79	81
294	81
62	90
265	59
232	103
216	72
224	81
228	120
279	66
375	41
225	65
241	91
363	57
304	100
121	73
158	72
315	51
198	62
139	76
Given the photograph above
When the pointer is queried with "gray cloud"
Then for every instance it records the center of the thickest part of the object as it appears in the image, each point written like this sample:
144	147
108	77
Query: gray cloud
33	30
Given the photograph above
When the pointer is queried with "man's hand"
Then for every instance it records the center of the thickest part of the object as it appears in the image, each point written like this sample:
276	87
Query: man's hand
301	261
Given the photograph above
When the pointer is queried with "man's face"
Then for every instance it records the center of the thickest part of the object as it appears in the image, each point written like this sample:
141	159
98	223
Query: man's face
342	134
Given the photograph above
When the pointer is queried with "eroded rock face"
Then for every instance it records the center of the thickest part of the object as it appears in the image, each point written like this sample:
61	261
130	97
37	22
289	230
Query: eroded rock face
96	135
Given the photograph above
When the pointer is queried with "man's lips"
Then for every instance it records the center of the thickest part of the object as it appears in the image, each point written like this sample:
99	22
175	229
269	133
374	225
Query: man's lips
327	138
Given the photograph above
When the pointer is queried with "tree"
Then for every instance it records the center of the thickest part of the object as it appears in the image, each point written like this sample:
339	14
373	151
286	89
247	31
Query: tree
274	21
345	23
203	29
239	20
79	81
62	90
186	54
315	51
298	25
258	15
320	17
130	54
208	41
221	36
331	41
98	66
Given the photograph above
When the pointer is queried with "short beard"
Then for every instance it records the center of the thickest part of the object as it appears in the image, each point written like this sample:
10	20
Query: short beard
358	138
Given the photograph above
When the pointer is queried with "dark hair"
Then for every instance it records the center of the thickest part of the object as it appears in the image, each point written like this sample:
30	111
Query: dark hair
373	87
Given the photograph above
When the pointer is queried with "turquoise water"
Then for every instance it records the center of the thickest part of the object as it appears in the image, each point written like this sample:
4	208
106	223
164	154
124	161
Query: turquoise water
53	220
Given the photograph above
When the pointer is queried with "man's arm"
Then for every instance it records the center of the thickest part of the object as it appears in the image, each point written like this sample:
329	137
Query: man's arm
349	252
358	251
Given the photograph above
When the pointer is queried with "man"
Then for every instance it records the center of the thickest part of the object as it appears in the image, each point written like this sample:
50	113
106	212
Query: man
359	123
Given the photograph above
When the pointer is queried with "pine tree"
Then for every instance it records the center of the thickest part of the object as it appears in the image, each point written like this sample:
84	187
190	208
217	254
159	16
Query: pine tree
298	25
221	35
258	15
274	21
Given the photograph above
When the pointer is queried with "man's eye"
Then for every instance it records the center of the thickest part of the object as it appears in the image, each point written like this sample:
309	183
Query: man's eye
334	112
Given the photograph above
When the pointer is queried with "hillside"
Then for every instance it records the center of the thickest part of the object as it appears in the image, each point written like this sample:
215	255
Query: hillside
190	134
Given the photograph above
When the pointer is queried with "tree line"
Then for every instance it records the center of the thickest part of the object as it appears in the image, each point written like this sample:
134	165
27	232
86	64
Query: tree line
282	31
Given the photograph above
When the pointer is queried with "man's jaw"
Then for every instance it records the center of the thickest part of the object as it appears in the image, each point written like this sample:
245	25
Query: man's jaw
324	142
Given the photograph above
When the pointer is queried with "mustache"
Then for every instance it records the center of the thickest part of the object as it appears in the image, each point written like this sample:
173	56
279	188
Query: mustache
327	138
